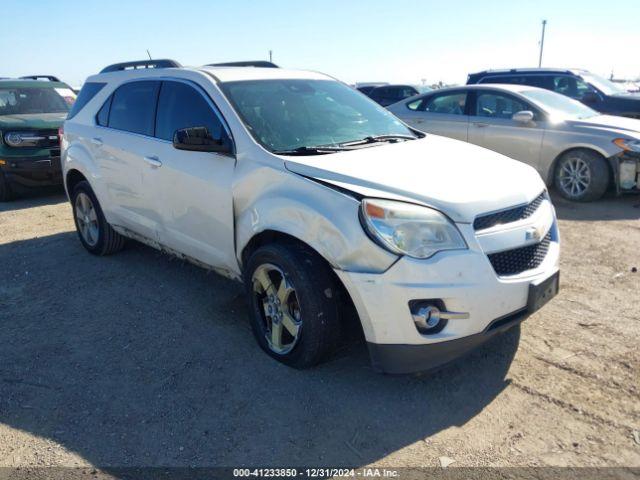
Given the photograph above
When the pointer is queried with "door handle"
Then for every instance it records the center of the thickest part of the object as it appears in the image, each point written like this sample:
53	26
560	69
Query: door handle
480	124
419	121
153	161
96	141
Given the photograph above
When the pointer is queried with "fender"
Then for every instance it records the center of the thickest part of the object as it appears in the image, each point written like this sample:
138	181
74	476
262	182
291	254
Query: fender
77	157
323	218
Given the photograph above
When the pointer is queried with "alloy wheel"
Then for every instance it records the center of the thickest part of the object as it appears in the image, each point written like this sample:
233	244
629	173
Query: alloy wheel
87	219
575	177
277	302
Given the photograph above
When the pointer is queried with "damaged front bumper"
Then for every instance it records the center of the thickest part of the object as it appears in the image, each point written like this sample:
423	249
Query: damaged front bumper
626	170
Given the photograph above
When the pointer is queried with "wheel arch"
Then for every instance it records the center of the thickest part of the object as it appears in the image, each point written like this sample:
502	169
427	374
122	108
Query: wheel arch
588	148
349	312
72	178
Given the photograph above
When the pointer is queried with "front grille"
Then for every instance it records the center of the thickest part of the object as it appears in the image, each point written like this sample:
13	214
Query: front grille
518	260
510	215
46	138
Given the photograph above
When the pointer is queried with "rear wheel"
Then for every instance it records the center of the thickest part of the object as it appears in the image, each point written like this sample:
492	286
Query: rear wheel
294	304
96	235
5	190
582	176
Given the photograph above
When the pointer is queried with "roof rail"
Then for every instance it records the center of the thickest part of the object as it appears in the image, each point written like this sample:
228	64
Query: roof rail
248	63
51	78
162	63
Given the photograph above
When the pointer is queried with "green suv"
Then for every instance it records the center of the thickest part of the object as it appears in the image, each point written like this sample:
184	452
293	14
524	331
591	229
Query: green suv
32	109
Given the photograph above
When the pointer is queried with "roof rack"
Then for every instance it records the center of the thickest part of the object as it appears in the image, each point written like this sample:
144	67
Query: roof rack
248	63
50	78
141	64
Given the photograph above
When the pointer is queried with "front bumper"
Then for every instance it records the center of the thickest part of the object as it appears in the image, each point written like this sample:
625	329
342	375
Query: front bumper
34	171
626	169
398	359
464	281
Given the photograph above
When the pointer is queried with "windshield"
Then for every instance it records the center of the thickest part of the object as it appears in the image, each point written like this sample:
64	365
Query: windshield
16	101
285	115
559	105
605	86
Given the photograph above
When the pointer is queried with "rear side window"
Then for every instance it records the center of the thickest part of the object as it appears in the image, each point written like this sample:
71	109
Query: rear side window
181	106
88	91
450	104
133	107
102	118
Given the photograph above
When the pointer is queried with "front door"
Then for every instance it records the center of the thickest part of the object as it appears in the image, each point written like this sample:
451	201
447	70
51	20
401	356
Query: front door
193	189
491	126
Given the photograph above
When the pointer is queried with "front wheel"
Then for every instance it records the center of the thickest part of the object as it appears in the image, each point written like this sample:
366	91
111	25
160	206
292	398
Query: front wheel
582	176
294	304
95	233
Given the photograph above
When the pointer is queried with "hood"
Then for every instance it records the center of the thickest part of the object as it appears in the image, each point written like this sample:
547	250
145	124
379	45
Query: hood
609	123
457	178
32	120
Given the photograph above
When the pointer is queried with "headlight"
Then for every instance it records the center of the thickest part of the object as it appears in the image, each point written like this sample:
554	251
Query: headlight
408	229
13	139
628	144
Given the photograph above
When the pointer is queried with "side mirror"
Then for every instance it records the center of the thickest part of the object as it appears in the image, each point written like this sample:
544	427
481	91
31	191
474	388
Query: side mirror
590	98
524	116
198	139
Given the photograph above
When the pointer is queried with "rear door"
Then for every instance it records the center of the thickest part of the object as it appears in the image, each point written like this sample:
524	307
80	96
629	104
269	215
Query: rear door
492	127
193	189
441	114
121	146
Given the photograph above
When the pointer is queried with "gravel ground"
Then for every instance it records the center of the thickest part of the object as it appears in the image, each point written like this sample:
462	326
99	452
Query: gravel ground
140	359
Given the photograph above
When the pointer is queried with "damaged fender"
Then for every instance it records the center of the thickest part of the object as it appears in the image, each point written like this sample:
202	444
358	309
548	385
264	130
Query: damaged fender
323	218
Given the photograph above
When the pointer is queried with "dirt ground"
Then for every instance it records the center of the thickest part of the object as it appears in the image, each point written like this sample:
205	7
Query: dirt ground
140	359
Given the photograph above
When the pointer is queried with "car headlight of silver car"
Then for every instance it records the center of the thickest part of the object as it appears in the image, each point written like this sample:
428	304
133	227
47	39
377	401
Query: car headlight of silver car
628	144
408	229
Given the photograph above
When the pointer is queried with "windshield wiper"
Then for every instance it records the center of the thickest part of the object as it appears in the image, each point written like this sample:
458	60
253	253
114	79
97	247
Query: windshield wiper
378	139
319	150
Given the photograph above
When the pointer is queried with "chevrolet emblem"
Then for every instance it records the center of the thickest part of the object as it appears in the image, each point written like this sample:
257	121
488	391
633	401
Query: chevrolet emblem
534	233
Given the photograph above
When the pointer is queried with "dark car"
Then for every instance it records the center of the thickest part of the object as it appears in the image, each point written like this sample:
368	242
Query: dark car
388	94
366	89
31	112
592	90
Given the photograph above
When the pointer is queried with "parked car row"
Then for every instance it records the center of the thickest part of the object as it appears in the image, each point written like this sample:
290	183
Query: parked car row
573	147
594	91
325	204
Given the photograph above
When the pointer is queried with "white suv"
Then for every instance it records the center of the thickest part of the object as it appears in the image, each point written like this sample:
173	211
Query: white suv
320	200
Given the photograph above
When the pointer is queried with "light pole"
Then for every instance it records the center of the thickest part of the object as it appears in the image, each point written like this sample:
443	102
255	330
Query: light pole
544	25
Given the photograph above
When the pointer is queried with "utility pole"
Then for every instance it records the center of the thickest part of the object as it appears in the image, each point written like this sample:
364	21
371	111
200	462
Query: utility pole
271	56
544	25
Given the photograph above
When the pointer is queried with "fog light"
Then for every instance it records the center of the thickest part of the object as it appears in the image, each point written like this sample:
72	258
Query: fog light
430	316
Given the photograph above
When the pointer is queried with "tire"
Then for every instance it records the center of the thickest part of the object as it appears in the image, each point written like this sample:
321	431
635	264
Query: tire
309	300
582	176
103	239
5	189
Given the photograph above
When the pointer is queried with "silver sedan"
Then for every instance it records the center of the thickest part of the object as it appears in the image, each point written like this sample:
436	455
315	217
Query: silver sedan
572	146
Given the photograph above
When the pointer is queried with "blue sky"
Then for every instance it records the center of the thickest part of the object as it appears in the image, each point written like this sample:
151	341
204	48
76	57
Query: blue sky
399	41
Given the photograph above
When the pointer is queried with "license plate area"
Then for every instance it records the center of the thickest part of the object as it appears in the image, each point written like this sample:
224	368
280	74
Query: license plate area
541	293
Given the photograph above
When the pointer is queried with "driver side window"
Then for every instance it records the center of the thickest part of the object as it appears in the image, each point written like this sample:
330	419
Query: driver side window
497	105
571	86
182	106
451	104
